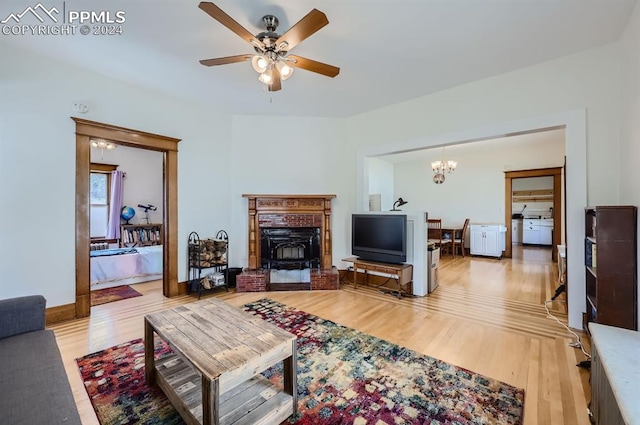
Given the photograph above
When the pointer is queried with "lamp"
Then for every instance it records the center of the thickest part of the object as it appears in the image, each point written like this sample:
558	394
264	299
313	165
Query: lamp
442	166
400	202
102	145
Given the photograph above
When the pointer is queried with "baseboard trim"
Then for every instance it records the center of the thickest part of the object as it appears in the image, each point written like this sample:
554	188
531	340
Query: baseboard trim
60	313
182	288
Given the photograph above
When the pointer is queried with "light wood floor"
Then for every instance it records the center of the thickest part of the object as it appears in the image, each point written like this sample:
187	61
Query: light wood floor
487	315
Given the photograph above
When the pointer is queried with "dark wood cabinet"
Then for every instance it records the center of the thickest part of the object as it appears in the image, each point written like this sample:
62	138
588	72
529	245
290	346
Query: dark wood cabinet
611	266
400	274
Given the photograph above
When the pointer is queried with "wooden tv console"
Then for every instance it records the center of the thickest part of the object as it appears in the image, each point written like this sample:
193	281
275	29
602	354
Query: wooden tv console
402	273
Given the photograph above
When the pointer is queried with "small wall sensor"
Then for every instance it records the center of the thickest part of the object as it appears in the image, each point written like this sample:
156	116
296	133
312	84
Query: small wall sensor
79	107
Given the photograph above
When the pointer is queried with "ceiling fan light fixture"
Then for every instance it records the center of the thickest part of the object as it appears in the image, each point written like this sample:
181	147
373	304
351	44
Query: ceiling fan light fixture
102	144
285	70
266	77
260	63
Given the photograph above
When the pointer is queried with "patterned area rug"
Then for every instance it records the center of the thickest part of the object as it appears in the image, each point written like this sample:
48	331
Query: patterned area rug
117	293
344	377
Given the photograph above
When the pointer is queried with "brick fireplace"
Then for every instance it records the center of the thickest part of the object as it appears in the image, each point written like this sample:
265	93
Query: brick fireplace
289	243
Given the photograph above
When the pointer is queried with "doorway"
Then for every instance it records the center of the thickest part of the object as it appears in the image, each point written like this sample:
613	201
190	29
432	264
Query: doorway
168	146
509	176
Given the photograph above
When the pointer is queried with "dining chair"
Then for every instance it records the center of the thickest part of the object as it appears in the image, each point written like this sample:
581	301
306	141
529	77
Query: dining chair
434	235
458	243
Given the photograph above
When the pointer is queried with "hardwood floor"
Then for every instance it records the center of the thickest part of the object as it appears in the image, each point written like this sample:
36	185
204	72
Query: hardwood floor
487	315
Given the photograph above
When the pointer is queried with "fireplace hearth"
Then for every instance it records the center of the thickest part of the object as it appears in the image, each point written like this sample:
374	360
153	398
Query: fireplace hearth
289	243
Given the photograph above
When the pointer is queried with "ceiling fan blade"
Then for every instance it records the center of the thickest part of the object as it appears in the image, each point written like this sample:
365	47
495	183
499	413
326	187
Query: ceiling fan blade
305	27
226	60
313	66
276	84
219	15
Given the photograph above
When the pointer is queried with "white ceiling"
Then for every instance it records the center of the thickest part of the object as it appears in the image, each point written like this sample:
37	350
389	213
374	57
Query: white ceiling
388	51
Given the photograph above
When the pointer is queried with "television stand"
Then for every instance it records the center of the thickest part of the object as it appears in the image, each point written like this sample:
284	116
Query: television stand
402	274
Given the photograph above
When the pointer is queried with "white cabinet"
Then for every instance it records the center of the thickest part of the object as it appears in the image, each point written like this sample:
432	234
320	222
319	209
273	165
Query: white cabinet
531	236
537	231
546	231
516	231
546	235
531	231
487	239
476	240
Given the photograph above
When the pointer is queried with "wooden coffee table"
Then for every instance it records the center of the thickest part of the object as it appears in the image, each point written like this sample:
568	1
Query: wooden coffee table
213	377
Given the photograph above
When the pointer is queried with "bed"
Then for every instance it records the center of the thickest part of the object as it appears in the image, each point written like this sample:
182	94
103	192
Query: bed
125	266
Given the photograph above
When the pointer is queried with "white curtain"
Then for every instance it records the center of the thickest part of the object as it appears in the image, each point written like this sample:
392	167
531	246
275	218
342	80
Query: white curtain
115	205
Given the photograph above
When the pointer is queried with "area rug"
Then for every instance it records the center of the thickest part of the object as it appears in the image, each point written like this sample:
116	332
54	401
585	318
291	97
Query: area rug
117	293
344	377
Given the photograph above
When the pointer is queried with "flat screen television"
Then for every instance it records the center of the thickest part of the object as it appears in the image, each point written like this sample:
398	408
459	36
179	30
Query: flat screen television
379	237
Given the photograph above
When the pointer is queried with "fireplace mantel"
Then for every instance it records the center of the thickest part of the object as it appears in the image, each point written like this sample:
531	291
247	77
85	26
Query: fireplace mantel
274	210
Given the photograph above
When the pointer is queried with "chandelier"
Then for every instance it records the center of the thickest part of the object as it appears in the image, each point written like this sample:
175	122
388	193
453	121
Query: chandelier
442	166
102	145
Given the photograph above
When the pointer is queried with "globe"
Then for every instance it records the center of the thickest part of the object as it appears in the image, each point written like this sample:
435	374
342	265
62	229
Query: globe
127	213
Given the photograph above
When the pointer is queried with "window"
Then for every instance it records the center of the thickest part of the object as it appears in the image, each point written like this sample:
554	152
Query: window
99	192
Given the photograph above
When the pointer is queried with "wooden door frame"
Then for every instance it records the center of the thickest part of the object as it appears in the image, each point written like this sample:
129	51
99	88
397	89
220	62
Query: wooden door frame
556	173
85	131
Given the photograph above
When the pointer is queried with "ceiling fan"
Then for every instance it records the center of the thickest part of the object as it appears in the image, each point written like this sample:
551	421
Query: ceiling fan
272	59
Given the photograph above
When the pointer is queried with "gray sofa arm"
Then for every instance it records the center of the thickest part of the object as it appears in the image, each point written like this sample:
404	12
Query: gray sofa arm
22	314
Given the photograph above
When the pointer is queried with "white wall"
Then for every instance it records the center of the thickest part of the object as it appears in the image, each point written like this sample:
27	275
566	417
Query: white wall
534	183
37	165
144	181
588	80
380	176
629	158
475	189
265	155
289	155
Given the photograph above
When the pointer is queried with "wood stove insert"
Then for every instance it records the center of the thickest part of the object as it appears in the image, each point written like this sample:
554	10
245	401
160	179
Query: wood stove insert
289	233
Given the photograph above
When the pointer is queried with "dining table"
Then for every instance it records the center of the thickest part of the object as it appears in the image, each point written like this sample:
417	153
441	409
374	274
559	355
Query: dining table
451	232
